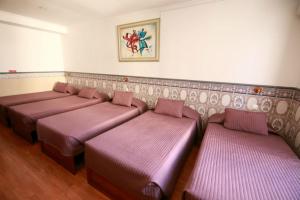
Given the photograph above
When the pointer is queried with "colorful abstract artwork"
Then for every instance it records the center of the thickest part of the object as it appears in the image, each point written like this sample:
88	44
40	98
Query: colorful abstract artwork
139	41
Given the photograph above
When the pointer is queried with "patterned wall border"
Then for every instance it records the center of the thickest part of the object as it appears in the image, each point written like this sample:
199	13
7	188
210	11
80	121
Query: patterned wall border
20	75
297	95
292	128
271	91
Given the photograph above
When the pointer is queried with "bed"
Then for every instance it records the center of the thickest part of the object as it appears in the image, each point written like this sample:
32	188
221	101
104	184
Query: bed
13	100
24	117
234	165
140	159
62	136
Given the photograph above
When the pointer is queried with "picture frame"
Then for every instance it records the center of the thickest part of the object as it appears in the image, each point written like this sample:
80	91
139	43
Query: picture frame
139	41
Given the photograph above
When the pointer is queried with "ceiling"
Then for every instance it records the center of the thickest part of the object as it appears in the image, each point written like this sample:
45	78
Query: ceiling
69	11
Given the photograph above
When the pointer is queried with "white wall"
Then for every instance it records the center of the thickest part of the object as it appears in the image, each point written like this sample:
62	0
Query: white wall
291	59
29	45
27	48
12	86
227	41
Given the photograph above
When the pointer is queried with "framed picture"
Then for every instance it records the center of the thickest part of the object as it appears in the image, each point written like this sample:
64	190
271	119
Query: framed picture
139	41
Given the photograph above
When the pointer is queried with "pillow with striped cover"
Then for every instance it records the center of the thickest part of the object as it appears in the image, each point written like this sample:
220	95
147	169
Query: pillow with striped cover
253	122
122	98
60	87
169	107
71	90
87	92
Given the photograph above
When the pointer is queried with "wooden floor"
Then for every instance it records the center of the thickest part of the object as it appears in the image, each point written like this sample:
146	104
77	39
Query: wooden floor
26	173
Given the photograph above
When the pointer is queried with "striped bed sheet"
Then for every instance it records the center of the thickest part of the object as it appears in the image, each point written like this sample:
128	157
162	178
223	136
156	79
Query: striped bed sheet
234	165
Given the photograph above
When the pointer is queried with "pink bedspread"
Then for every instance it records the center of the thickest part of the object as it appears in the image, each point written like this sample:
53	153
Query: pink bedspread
13	100
235	165
144	155
24	117
68	131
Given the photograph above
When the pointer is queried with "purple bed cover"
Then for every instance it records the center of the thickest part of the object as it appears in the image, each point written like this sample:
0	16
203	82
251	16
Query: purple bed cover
144	155
234	165
24	117
13	100
68	131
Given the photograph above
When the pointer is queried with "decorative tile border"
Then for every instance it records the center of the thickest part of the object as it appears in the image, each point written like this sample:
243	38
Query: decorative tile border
207	98
292	128
297	95
272	91
19	75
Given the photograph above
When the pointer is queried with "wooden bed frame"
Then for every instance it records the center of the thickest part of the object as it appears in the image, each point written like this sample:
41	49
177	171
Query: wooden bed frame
3	117
71	163
19	130
106	187
31	138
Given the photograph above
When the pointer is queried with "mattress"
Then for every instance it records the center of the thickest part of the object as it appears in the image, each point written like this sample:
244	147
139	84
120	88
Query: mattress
143	156
13	100
68	131
24	117
234	165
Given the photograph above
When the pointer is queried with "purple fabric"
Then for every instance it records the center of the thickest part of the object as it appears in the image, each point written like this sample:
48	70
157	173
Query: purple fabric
254	122
122	98
60	87
13	100
141	105
148	150
192	114
68	131
88	93
217	118
102	96
23	117
235	165
71	90
169	107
